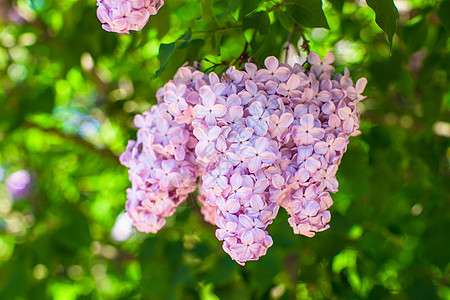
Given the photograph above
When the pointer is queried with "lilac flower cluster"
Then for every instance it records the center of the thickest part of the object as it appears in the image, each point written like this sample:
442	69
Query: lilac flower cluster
257	139
121	16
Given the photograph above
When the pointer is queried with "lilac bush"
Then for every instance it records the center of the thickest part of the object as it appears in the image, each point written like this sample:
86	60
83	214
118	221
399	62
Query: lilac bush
121	16
257	140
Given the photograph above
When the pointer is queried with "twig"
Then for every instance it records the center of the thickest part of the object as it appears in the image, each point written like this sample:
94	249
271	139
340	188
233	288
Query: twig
305	43
242	58
215	65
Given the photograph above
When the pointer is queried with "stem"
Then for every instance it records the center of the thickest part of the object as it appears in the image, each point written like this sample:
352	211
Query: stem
289	43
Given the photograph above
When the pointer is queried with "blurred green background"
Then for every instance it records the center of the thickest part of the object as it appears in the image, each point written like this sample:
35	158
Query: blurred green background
68	94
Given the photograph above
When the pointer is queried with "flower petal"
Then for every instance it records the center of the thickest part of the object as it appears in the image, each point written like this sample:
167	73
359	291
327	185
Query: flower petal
271	63
286	119
200	134
307	121
329	59
321	147
314	58
339	144
254	164
360	85
261	144
219	110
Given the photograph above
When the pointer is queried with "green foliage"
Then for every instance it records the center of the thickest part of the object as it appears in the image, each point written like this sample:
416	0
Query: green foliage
308	13
386	16
443	13
69	91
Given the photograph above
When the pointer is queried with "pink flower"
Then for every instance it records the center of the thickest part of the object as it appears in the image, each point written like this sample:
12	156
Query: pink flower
251	93
281	189
346	115
328	108
355	92
167	175
206	140
218	177
290	89
258	155
122	16
307	132
179	145
273	72
330	146
238	189
175	96
255	206
258	118
234	116
252	228
227	226
240	137
208	109
320	66
299	179
327	178
278	126
250	141
230	205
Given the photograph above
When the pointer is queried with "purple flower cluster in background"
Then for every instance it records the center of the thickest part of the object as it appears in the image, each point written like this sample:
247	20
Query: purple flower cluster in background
18	184
121	16
257	139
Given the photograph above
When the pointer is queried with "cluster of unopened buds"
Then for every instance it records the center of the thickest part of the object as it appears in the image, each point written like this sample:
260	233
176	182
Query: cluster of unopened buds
121	16
257	139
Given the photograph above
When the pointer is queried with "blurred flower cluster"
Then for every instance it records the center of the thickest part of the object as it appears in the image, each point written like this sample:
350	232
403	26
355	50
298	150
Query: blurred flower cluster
257	139
18	184
121	16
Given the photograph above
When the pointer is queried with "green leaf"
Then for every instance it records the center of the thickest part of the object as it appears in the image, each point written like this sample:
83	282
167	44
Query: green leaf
338	4
165	50
248	6
308	13
258	21
208	12
443	13
386	16
207	9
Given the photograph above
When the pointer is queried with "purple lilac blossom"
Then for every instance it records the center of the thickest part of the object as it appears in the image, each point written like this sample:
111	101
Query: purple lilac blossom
256	140
18	184
121	16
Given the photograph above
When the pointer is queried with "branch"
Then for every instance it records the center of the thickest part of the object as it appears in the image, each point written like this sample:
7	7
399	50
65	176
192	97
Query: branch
104	152
217	29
